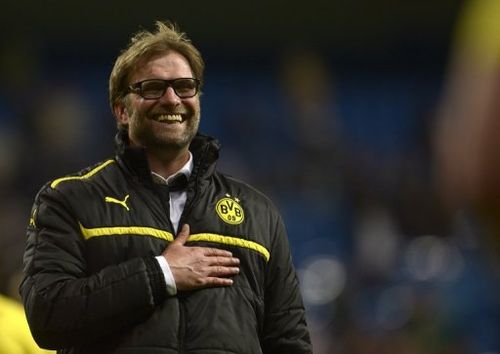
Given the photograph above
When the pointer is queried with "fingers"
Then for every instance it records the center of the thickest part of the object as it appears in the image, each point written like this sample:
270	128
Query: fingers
218	276
216	252
223	261
213	281
215	256
183	235
195	277
220	271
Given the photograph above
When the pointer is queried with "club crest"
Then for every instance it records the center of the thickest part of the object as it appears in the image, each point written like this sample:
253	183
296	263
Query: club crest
229	210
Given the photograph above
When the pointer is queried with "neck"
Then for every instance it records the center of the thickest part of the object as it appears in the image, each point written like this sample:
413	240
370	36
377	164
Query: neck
166	163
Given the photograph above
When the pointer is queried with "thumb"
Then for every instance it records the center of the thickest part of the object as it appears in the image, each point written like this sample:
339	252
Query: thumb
183	235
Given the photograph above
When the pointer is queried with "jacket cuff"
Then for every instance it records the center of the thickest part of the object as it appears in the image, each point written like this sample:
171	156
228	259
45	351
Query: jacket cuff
156	280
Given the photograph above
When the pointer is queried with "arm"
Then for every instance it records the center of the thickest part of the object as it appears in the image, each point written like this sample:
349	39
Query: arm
285	328
64	304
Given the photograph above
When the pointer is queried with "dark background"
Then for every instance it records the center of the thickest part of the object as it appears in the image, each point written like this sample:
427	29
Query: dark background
326	106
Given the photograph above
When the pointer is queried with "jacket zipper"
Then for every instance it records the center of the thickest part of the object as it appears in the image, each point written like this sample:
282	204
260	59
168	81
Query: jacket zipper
165	200
185	213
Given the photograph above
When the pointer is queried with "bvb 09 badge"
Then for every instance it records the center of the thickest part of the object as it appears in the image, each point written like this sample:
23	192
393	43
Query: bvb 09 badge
230	211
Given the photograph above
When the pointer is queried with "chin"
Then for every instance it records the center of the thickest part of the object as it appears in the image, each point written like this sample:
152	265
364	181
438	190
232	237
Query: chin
176	143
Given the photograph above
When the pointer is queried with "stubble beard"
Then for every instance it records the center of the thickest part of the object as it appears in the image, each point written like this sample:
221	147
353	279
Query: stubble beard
162	139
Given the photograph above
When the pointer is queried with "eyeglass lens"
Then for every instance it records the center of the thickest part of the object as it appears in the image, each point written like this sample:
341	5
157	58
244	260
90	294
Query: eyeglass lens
152	89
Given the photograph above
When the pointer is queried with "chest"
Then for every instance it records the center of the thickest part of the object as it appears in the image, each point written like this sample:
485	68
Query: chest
119	225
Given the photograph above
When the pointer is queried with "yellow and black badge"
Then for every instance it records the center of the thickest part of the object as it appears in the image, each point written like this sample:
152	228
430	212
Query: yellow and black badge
230	211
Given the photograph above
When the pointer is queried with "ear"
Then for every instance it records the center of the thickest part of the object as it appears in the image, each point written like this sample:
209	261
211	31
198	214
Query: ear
121	112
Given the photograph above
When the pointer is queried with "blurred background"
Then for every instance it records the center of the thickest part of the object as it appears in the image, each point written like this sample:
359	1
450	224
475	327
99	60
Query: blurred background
371	124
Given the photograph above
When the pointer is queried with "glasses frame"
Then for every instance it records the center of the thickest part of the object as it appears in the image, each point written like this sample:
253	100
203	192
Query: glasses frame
137	87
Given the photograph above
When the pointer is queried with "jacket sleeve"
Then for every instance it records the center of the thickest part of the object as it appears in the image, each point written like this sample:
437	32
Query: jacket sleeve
66	306
285	327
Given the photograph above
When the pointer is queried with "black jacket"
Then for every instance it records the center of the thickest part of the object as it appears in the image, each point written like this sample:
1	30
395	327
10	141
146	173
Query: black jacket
91	283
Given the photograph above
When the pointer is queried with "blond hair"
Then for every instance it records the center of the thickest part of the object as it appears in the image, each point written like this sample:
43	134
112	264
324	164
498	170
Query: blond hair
145	44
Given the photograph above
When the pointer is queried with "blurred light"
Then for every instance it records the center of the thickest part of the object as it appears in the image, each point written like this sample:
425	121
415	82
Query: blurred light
322	278
433	258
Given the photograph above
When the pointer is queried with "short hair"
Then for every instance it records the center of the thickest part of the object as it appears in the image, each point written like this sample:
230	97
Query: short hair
145	44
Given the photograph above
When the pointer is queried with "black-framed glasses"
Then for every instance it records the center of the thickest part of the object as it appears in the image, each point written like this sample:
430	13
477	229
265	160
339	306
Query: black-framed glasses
155	88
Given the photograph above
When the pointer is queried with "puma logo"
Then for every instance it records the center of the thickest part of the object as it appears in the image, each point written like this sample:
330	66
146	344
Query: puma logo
123	202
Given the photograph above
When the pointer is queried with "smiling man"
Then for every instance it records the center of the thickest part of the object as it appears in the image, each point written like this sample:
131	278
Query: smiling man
164	114
154	250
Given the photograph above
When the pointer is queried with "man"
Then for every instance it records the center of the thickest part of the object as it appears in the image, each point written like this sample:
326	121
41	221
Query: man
106	269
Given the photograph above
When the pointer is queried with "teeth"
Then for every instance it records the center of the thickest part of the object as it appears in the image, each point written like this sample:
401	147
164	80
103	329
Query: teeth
169	118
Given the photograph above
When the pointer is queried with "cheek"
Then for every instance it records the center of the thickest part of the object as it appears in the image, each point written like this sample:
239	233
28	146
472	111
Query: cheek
195	105
134	111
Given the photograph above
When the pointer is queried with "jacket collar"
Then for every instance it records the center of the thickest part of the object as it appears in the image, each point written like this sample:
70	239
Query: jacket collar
204	148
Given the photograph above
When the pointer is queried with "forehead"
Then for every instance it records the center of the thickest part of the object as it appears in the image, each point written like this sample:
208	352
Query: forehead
166	65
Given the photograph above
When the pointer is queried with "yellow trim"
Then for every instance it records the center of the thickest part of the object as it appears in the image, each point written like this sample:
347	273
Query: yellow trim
125	230
165	235
85	176
32	218
232	241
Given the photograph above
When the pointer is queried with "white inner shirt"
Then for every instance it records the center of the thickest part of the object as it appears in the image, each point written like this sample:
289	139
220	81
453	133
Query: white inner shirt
178	198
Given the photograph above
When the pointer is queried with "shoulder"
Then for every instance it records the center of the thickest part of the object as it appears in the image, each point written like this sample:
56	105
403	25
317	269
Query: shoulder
93	175
246	192
85	174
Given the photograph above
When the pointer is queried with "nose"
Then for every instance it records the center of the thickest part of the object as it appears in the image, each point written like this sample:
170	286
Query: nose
170	97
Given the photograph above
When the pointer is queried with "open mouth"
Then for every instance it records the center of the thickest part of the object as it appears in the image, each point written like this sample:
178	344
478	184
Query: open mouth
169	118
